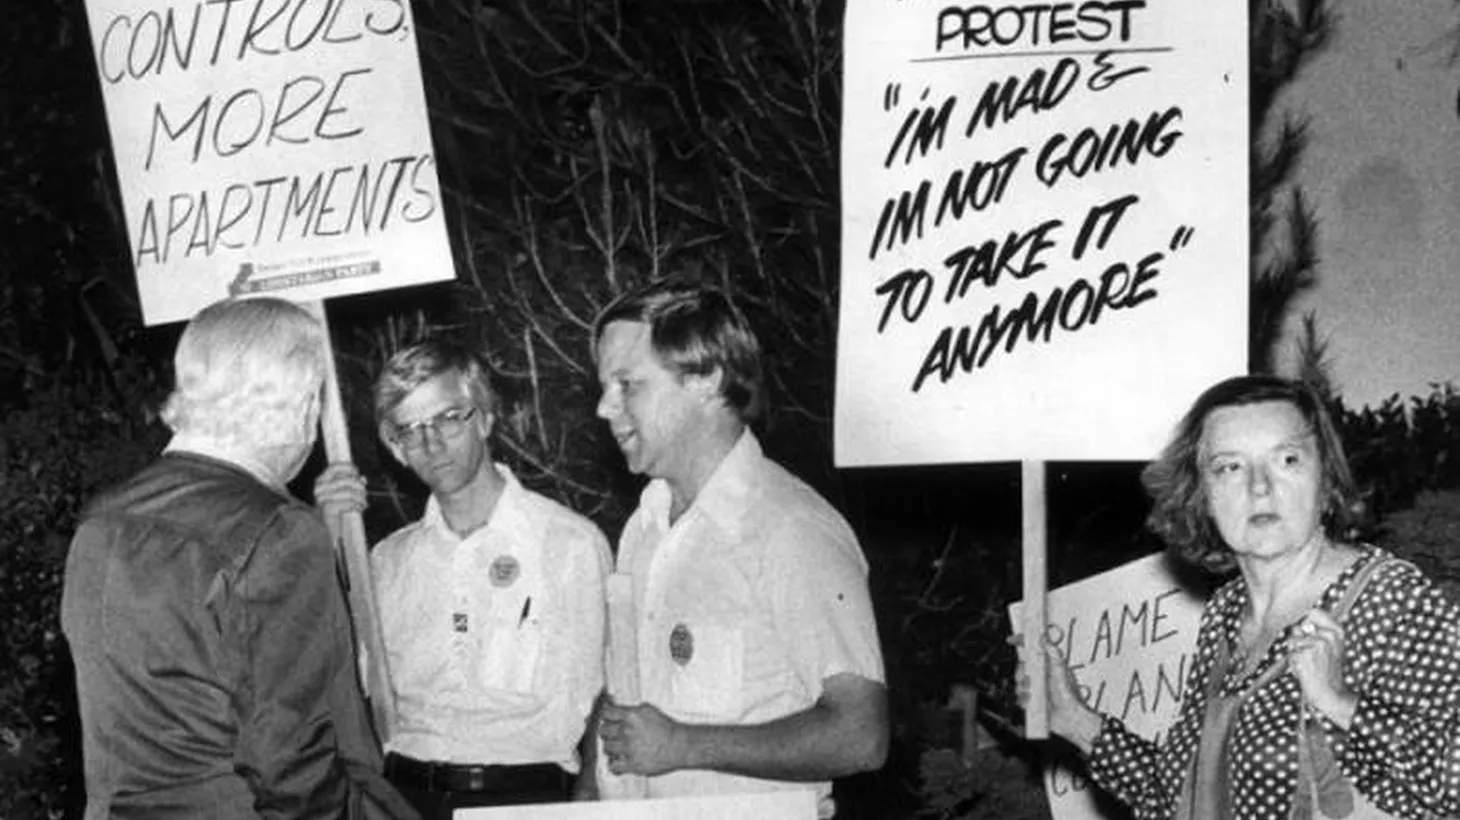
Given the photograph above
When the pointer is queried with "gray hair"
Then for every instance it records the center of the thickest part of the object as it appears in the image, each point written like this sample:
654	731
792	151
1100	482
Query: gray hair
248	375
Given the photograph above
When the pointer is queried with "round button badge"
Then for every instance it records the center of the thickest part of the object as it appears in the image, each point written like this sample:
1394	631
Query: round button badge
681	644
504	571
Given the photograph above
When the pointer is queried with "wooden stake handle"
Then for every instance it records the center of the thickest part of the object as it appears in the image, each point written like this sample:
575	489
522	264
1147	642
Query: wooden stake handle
348	531
1036	712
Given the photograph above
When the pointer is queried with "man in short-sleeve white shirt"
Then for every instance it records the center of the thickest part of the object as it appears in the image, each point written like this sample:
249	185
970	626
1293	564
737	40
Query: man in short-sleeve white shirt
754	663
492	604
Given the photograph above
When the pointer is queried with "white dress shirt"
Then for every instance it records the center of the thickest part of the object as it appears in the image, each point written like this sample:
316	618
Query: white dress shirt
495	641
742	607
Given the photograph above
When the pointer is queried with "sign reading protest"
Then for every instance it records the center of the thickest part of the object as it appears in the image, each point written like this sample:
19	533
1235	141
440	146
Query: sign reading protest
269	146
1044	226
1130	636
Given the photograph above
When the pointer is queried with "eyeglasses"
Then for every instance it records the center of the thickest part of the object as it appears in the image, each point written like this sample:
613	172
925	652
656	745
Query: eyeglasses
448	424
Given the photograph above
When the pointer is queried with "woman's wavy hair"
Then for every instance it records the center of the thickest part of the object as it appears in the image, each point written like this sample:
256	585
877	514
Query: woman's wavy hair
248	374
695	329
1180	513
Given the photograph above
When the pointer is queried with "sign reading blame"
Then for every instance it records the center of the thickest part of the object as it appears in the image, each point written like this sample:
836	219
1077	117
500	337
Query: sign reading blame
1129	635
269	145
1044	233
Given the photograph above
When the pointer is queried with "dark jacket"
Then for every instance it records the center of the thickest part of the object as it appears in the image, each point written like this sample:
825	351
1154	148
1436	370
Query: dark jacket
213	653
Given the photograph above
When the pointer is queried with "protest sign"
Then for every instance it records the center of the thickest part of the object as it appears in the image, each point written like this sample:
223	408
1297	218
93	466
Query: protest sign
269	146
797	804
1044	226
1130	637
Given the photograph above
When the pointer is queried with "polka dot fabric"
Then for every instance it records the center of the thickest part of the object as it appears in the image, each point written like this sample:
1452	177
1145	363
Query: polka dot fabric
1402	749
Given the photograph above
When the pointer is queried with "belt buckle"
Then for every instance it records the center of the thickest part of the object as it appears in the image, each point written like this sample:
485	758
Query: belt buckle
476	778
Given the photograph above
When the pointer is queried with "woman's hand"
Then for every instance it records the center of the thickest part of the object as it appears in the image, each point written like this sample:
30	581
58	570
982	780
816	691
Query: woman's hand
1316	660
1069	716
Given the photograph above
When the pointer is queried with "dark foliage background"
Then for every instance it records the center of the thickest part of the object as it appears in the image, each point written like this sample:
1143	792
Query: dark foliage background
584	147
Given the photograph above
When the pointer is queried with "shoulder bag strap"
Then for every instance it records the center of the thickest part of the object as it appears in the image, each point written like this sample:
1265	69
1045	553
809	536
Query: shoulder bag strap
1356	587
1329	791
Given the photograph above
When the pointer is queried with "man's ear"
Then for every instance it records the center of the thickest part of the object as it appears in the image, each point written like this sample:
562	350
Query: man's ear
707	386
313	407
486	421
311	418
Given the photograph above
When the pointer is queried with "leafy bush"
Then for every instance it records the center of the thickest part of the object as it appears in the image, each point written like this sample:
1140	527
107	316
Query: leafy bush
56	451
1397	451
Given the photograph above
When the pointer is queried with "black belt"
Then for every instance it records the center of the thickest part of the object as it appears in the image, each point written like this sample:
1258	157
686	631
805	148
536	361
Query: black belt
424	775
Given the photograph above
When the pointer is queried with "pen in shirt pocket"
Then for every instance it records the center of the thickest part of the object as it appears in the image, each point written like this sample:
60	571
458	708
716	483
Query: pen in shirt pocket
526	610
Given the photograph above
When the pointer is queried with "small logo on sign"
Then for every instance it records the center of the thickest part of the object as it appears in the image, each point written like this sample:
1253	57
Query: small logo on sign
244	283
681	644
458	621
504	571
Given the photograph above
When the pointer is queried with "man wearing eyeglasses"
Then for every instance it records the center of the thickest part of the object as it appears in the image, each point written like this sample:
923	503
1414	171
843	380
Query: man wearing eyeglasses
492	604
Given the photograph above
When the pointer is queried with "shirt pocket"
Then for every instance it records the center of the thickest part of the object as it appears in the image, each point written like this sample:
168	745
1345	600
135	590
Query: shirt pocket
708	685
512	644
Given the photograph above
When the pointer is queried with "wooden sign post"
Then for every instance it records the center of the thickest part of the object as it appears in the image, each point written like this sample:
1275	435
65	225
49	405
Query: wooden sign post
1036	579
348	531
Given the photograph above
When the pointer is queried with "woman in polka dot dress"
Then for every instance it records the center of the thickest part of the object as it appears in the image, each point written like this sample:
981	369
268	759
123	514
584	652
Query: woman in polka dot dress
1255	480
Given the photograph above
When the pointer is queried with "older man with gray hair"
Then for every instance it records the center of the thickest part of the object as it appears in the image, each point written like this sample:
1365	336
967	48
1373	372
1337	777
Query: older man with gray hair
202	603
